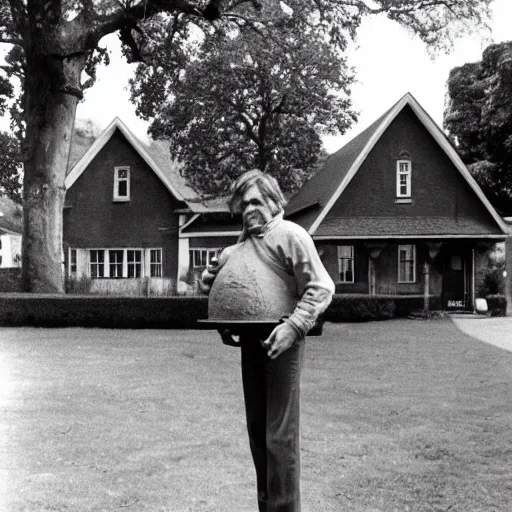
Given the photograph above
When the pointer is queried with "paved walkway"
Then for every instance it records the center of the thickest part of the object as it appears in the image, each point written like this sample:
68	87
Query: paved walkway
494	330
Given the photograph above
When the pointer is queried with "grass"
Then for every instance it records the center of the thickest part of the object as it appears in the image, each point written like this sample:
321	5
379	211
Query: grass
403	415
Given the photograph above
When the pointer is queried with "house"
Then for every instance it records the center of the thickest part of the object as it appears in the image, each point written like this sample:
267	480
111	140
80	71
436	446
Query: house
125	206
393	212
11	228
396	212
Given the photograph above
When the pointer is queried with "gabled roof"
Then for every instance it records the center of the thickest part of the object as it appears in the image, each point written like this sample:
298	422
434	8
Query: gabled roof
11	217
157	156
148	155
319	194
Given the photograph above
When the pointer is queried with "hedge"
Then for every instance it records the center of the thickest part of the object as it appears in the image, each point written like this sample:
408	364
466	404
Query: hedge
171	312
362	308
496	304
106	312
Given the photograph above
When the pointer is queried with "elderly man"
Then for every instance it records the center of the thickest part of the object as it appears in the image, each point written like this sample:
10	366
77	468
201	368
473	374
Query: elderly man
271	367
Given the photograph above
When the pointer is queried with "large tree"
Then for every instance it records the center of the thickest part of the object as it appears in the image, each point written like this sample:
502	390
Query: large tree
55	41
256	98
478	119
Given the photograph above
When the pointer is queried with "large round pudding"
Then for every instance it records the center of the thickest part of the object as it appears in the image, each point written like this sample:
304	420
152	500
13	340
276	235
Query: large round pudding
248	289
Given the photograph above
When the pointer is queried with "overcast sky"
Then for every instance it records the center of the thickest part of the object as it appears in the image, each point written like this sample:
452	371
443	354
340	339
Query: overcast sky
389	62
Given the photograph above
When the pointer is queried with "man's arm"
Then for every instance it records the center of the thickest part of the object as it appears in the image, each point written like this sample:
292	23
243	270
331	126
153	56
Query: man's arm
314	286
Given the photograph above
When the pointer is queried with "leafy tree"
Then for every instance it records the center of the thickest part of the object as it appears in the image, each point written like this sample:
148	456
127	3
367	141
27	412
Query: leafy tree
254	99
478	118
10	184
54	42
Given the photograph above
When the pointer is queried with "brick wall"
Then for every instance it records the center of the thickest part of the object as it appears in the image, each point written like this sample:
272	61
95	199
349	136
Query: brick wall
93	220
438	188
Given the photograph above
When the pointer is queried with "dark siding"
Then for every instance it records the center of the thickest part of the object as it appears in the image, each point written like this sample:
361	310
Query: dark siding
207	242
329	256
93	219
438	189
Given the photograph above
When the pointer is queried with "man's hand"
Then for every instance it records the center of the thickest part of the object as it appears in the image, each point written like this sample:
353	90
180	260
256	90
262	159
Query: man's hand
280	339
208	275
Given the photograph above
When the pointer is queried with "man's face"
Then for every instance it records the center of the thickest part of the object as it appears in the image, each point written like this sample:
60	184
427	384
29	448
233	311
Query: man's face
256	210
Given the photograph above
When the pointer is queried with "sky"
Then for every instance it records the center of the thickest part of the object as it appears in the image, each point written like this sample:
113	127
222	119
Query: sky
388	60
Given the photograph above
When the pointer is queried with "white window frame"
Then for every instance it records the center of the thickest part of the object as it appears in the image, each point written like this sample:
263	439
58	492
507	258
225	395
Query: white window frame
134	263
408	176
341	259
208	252
104	263
114	264
155	268
118	180
410	250
124	272
72	262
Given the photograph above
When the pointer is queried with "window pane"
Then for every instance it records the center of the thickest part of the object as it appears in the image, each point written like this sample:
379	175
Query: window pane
155	267
122	173
134	260
406	263
122	189
116	263
346	263
73	261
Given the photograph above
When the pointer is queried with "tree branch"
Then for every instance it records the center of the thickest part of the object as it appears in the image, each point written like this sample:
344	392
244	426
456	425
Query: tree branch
7	40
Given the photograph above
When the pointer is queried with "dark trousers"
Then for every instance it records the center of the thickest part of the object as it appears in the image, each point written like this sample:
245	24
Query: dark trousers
272	405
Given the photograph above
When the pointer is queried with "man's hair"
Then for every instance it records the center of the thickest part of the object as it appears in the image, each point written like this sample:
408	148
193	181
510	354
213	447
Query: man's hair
267	185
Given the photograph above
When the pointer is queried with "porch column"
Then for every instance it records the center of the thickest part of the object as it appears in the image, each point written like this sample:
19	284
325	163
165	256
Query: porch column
433	249
374	250
183	254
426	287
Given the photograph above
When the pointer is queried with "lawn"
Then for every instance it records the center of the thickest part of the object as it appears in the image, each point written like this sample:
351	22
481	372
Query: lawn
402	415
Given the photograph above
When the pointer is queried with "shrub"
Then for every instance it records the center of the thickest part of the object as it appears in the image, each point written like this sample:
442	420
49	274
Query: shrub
10	280
103	311
359	309
497	304
493	282
77	286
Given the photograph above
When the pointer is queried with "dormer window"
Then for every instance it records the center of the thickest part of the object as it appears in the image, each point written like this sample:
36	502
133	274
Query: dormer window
403	179
121	183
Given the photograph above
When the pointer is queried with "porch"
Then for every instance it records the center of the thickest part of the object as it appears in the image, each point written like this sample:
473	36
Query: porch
450	269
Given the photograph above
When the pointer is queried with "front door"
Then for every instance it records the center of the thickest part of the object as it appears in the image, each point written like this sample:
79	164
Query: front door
454	282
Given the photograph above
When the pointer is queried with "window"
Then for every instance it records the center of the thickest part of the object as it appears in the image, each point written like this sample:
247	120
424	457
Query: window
97	263
123	263
121	183
116	263
72	261
155	262
346	263
403	178
134	262
407	263
200	258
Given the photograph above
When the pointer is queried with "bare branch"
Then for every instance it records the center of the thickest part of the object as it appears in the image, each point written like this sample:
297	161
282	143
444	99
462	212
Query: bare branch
7	40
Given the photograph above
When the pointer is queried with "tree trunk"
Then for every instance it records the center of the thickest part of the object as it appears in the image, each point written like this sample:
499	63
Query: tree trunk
52	94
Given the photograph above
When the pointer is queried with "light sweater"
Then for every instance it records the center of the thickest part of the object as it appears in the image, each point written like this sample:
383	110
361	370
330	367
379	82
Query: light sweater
276	273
